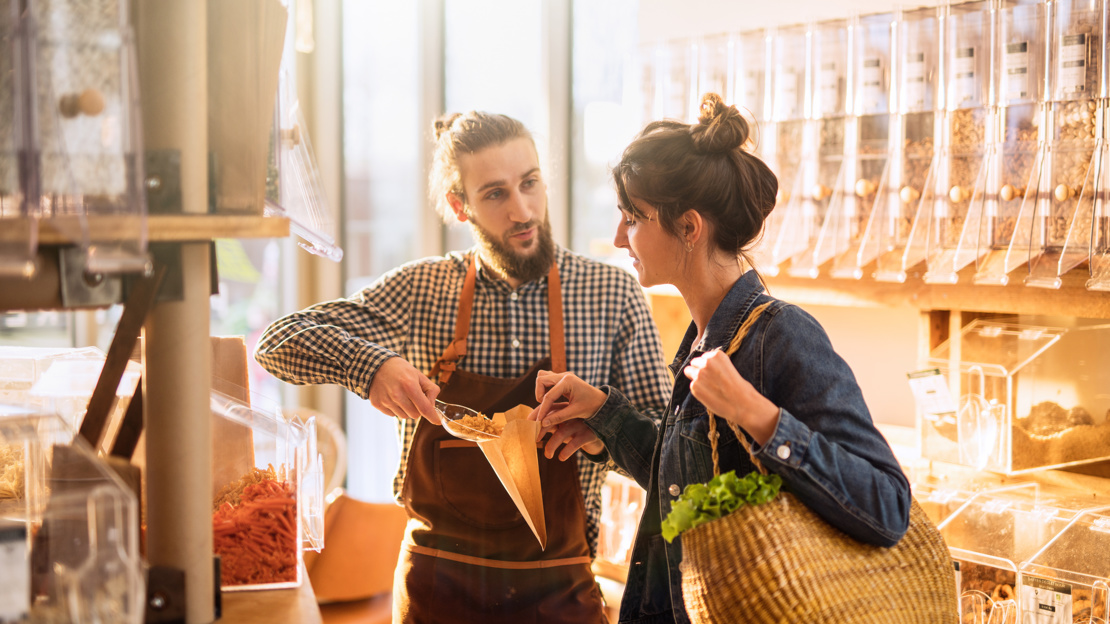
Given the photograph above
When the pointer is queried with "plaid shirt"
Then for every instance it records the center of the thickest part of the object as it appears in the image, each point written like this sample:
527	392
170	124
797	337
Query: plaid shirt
410	312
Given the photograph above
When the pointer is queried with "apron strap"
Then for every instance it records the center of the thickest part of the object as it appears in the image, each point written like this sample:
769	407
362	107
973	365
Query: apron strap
448	362
494	563
555	320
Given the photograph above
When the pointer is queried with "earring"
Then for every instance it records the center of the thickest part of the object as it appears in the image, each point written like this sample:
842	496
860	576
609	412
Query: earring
689	246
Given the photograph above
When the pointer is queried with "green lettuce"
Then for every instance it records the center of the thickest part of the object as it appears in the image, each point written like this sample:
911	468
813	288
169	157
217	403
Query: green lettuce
724	494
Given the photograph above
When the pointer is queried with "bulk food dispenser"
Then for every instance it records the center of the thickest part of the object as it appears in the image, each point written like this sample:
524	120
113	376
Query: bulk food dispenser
894	237
824	189
951	218
69	527
1067	579
868	148
1062	215
784	143
993	535
1018	153
1028	395
268	499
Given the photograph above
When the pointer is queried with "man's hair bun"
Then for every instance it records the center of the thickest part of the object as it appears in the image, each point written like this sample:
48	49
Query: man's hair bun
720	128
443	123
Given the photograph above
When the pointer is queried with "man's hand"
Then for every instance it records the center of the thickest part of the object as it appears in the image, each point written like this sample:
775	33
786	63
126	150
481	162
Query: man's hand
401	391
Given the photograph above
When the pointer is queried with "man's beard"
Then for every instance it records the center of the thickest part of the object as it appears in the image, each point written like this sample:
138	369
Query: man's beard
510	262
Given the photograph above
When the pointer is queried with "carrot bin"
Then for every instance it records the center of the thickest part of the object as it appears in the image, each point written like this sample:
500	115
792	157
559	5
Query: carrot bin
267	495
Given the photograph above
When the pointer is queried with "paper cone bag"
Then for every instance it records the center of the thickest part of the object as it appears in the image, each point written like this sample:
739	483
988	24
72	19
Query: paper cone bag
514	458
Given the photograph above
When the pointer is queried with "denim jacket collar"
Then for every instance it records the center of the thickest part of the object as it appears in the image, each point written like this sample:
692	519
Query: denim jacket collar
725	321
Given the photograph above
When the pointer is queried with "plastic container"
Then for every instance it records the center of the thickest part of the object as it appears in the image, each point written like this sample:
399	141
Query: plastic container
894	237
785	140
953	216
80	523
1066	579
869	153
992	534
268	498
1019	150
831	130
1065	206
1029	396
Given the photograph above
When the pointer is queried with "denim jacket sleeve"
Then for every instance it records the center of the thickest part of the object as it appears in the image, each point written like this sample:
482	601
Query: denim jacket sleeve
825	446
629	435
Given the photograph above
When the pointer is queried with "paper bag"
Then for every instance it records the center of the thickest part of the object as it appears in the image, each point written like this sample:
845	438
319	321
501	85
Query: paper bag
515	459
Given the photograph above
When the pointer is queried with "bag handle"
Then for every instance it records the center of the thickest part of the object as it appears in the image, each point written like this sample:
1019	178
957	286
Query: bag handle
713	435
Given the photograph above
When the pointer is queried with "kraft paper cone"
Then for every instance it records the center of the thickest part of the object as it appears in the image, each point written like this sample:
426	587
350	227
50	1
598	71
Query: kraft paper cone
515	459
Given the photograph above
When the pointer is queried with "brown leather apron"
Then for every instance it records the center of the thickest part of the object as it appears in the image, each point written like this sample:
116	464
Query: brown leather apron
469	555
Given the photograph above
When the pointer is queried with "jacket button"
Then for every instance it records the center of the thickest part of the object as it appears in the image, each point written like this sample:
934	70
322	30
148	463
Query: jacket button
674	489
783	452
677	409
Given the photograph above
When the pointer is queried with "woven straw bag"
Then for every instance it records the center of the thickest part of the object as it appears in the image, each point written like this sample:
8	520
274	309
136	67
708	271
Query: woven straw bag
779	563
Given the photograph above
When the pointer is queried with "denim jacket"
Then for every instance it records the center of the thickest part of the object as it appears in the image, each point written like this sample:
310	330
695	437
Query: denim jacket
826	448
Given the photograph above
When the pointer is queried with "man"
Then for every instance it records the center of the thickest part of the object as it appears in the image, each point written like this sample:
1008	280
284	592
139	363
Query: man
474	328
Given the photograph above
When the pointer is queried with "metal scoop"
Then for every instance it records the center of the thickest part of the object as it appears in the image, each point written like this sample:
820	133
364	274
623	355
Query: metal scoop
452	414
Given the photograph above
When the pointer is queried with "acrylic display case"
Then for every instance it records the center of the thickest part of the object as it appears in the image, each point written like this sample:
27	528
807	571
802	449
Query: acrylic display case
74	524
941	489
894	237
993	534
784	142
868	153
89	125
1028	396
268	499
1061	217
953	215
831	131
716	67
1100	232
1017	156
1066	580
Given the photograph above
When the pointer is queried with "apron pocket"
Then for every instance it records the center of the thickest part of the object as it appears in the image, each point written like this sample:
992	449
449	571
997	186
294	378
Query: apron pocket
471	490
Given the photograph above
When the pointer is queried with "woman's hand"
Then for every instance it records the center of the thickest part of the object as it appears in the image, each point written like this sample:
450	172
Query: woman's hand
564	401
718	385
575	434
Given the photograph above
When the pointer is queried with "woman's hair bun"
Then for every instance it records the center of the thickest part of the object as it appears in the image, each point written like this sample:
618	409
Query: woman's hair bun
443	123
720	128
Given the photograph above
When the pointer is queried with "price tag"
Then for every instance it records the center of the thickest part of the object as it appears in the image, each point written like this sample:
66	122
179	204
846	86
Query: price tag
1045	601
930	390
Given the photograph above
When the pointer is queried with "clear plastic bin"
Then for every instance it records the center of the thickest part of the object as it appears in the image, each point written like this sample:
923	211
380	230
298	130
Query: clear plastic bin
869	154
826	192
1061	217
1068	576
1019	153
893	237
954	214
268	499
1029	396
81	523
783	141
993	533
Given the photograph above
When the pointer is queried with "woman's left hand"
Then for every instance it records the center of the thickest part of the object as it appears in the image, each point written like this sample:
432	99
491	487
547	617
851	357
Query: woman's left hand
716	383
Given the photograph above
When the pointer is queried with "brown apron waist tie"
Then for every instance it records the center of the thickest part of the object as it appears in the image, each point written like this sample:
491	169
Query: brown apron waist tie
494	563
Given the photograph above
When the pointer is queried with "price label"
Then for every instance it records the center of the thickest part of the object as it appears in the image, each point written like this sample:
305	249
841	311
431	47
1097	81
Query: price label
930	390
1045	601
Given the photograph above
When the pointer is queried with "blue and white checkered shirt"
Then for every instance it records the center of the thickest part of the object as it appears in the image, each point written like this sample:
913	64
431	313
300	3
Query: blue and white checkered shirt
410	312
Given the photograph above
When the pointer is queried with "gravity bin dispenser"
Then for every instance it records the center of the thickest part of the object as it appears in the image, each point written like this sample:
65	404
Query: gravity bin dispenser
1028	395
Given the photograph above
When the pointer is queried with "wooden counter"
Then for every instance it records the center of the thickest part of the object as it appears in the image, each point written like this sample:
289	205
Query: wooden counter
294	605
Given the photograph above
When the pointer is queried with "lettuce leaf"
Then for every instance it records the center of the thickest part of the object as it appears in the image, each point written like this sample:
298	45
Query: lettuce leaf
724	494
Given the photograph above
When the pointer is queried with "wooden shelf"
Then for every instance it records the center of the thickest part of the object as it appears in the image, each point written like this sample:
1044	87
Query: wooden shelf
160	228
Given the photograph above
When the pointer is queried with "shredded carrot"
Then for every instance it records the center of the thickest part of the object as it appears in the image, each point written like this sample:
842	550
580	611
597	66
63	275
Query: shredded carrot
255	535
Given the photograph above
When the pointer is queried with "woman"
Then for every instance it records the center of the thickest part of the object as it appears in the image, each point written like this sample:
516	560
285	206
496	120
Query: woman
693	202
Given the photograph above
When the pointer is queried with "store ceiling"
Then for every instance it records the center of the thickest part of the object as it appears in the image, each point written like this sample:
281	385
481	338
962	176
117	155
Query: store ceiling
660	20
